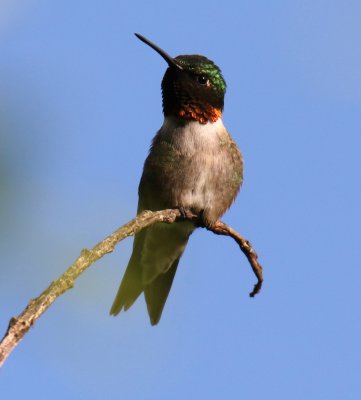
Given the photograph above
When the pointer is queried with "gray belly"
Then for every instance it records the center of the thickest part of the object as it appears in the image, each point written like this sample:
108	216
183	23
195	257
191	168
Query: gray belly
211	183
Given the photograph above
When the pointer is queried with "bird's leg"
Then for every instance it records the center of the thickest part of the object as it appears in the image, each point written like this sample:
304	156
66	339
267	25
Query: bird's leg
186	213
196	216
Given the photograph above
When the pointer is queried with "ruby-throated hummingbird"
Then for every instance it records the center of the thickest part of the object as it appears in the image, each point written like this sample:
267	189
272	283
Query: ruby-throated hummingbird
193	164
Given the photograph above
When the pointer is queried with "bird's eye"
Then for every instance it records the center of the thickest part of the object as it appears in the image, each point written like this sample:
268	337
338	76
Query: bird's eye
202	80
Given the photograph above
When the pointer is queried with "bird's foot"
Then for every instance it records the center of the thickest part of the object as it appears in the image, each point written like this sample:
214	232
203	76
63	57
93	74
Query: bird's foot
186	212
200	217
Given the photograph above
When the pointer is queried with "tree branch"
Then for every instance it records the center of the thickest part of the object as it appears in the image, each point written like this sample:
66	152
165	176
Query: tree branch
20	325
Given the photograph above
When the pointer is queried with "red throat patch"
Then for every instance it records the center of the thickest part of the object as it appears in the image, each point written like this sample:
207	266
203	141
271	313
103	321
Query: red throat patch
200	114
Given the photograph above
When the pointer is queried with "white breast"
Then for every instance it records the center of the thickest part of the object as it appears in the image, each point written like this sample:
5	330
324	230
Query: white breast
194	137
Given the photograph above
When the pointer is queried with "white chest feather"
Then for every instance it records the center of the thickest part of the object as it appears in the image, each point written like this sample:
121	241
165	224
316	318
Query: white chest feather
195	138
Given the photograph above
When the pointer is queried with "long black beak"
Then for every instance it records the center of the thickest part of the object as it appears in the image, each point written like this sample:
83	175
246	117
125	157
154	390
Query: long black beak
170	60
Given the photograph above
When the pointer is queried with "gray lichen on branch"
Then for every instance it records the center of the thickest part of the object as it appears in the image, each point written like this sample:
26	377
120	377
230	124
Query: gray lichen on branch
20	325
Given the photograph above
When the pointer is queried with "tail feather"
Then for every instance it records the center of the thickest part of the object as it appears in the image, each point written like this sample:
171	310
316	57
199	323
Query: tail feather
131	285
157	291
152	267
129	289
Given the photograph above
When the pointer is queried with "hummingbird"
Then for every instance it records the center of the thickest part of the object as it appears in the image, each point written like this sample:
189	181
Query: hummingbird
193	164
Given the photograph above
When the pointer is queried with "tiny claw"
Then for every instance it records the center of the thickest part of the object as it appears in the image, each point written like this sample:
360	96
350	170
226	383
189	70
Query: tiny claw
185	212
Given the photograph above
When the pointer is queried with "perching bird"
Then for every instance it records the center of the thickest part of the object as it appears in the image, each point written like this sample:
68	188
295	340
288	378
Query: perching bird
193	164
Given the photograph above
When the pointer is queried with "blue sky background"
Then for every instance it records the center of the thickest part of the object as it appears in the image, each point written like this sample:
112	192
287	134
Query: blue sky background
80	102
